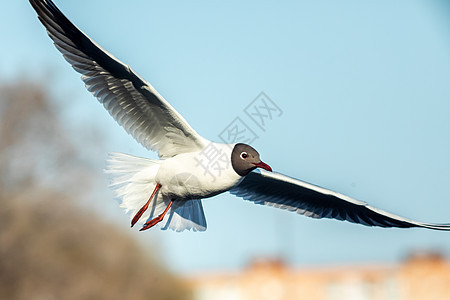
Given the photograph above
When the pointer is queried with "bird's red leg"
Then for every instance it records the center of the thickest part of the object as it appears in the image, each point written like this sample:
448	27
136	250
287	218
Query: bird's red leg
156	220
144	208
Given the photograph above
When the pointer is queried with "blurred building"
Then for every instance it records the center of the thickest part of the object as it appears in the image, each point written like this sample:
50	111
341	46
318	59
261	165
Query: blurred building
422	276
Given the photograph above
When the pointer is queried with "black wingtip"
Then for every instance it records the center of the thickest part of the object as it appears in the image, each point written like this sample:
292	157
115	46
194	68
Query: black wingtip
53	19
48	12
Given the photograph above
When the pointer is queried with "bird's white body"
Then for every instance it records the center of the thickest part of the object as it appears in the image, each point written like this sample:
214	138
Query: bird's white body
184	178
198	175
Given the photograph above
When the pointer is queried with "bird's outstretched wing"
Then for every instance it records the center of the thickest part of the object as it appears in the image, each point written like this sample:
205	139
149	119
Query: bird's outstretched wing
284	192
130	100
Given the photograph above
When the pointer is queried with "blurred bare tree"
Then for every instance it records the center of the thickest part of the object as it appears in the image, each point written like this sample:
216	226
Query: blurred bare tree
49	247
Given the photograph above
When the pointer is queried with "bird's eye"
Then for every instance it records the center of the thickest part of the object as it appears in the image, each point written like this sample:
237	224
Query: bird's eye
244	155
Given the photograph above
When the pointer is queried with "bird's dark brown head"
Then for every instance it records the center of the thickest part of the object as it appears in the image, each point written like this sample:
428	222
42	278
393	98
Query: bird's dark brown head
245	159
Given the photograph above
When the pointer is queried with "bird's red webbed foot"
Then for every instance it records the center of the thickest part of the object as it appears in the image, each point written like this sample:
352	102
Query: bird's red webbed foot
145	207
156	220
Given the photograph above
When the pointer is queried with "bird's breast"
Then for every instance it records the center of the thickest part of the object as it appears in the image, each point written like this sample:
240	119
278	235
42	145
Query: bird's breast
199	174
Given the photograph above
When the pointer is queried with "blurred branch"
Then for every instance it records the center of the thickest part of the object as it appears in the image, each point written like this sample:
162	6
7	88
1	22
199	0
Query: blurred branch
33	144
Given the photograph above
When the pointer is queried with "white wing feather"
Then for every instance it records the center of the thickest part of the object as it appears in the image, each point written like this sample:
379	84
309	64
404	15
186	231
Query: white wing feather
130	100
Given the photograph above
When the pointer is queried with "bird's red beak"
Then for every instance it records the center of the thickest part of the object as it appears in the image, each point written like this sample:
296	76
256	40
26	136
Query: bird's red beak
263	166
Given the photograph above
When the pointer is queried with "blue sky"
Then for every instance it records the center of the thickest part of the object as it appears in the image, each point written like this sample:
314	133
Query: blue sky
365	91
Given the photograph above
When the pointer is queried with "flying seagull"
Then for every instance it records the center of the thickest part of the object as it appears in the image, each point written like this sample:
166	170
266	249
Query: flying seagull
169	191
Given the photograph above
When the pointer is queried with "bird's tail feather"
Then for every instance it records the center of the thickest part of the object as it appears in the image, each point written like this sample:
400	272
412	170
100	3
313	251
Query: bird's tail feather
132	180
